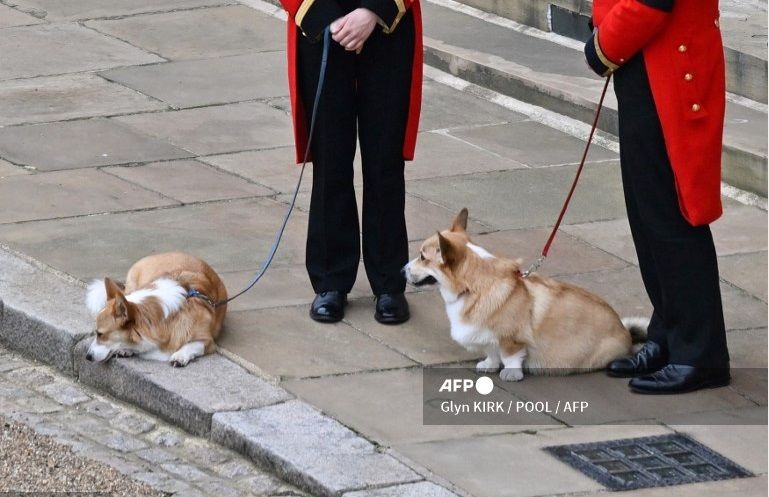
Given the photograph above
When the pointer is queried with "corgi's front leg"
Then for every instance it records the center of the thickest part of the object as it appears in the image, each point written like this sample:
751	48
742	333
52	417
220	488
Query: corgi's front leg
512	355
186	353
493	361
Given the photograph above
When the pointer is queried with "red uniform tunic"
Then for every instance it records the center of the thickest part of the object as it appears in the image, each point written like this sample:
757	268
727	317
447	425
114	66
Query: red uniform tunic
311	17
682	48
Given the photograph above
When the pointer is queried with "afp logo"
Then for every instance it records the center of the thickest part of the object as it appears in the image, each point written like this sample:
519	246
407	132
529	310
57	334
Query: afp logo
483	385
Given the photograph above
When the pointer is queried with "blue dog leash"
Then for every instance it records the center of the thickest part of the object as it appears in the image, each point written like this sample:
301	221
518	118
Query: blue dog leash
193	293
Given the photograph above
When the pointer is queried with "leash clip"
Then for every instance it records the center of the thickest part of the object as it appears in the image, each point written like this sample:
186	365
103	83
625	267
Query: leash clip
534	266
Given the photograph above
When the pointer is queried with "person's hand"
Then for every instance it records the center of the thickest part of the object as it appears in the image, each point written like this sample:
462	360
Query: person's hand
352	30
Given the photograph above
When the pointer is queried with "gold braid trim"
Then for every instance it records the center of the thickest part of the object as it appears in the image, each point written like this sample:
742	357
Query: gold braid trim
302	11
401	12
604	60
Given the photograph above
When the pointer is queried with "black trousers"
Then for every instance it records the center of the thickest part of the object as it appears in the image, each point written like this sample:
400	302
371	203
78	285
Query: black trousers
368	95
677	261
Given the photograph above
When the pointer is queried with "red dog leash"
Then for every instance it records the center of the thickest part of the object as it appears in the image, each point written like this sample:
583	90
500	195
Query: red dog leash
550	239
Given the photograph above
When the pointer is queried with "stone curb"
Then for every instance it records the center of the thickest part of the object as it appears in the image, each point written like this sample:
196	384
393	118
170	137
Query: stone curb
743	166
291	435
42	316
42	312
187	397
746	73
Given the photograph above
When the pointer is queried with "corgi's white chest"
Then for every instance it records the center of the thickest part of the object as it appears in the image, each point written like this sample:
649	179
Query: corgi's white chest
470	336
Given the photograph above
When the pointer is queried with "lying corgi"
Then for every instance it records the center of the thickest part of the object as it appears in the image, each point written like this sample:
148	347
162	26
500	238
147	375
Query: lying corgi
165	311
535	323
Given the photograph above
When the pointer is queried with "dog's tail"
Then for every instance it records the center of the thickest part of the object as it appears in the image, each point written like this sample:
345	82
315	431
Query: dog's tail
637	326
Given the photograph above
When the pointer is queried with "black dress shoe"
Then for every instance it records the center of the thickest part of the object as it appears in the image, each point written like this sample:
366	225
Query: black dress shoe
392	308
328	307
649	359
676	378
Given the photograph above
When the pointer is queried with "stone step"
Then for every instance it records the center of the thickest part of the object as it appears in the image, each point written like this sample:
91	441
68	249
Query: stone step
549	70
743	26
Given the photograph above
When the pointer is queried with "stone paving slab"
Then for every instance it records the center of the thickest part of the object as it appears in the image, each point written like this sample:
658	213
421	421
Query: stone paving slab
741	229
72	96
497	459
444	108
455	157
199	33
599	196
628	297
88	143
63	48
741	487
230	236
181	181
299	347
7	169
219	129
744	444
421	215
291	436
11	17
748	361
568	254
425	338
189	396
273	167
611	402
747	271
394	415
524	142
48	333
192	83
421	489
69	193
91	9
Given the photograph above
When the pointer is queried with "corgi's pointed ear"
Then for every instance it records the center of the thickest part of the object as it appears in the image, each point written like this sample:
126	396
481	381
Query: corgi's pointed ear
449	253
460	222
113	289
122	309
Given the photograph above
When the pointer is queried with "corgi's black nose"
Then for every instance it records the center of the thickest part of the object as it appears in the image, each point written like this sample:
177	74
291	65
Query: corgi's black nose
403	271
89	356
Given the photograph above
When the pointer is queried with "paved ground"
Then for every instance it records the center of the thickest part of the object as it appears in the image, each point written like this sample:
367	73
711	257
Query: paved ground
42	464
62	436
142	126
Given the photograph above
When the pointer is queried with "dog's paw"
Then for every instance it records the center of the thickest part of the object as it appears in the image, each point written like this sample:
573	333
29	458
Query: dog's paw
511	374
487	366
179	359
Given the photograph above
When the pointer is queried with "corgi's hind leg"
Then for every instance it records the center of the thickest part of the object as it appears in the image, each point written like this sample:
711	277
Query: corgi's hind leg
512	354
493	361
187	352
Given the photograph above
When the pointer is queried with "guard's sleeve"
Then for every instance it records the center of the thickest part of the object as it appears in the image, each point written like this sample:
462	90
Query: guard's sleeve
390	12
627	28
312	16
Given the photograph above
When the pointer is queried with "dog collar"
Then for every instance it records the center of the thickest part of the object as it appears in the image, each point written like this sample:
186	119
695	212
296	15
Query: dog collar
195	294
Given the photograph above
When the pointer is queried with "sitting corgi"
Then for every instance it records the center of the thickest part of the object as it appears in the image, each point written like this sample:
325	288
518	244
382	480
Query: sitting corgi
167	310
534	323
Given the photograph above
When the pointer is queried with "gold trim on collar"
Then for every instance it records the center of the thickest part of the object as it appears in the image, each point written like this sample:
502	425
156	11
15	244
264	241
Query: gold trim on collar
604	60
302	11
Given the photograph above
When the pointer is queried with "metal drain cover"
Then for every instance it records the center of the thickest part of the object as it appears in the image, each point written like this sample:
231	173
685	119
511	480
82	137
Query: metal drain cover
658	461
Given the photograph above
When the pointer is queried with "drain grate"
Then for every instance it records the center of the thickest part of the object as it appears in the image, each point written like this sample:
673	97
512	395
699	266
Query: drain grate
658	461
